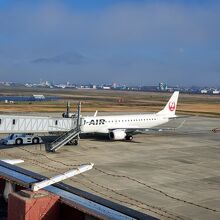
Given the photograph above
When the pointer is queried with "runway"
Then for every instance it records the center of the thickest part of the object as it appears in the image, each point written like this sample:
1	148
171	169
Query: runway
169	174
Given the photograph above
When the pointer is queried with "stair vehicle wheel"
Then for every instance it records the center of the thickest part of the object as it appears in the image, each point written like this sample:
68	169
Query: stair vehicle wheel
129	137
18	141
75	142
71	142
35	140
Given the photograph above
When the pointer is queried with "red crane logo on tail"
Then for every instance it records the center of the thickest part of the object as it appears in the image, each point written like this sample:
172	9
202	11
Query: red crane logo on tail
172	106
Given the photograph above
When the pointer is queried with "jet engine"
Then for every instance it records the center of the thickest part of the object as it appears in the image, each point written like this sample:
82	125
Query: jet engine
117	135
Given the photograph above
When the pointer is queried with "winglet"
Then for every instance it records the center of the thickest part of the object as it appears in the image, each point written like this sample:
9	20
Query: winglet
95	114
170	108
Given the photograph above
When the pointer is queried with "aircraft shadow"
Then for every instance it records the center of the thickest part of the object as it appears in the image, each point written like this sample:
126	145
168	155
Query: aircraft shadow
50	138
102	138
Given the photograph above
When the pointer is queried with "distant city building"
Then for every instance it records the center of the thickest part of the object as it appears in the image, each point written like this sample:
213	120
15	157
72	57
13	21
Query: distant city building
114	85
7	83
204	91
28	85
215	92
62	86
162	86
45	84
106	87
10	102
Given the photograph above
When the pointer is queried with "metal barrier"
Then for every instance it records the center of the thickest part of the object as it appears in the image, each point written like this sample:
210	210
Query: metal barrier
70	198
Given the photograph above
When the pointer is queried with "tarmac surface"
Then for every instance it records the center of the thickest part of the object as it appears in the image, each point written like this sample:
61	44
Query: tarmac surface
171	174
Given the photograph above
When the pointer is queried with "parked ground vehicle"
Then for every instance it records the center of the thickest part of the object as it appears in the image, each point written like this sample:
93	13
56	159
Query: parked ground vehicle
19	139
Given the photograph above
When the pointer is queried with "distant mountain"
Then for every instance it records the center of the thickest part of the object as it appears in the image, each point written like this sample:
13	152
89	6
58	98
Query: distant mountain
72	58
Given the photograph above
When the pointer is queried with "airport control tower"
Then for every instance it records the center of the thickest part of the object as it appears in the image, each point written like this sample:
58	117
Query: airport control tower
162	86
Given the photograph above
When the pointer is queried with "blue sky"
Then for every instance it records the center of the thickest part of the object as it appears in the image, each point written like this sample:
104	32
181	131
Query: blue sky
137	42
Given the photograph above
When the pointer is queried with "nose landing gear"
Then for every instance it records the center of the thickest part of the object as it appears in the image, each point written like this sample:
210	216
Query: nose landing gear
129	137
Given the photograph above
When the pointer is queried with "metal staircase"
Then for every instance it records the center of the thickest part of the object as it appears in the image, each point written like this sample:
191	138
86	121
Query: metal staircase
68	136
64	139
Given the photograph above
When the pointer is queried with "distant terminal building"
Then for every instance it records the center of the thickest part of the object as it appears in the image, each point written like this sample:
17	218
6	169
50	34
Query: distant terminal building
39	97
204	91
106	87
162	86
210	91
33	98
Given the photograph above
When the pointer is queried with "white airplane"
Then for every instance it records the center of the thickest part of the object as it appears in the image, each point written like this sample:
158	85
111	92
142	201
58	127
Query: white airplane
122	127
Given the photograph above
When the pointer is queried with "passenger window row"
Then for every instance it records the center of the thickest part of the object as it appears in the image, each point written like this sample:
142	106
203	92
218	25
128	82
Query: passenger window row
132	120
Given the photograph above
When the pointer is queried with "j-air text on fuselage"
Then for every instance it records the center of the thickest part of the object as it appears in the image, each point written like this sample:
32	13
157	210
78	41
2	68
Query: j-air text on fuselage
96	122
123	127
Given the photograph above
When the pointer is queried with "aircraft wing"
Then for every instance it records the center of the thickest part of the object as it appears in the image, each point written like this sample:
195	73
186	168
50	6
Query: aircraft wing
179	117
144	130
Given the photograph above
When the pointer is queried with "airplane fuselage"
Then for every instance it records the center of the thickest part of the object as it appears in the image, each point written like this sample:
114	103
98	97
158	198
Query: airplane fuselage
103	124
123	127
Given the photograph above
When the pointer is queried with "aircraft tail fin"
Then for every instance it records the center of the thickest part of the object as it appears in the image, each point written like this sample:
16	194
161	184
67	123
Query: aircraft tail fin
170	108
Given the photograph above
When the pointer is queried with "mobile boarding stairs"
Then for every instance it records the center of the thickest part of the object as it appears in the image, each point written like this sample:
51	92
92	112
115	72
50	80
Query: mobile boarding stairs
71	136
